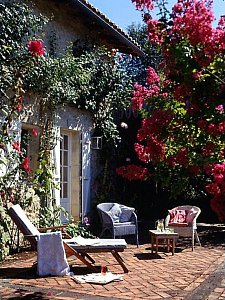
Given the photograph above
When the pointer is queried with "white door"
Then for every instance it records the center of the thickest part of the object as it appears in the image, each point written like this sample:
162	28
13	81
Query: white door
65	173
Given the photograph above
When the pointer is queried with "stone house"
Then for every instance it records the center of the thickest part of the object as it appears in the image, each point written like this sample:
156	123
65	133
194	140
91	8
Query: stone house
74	21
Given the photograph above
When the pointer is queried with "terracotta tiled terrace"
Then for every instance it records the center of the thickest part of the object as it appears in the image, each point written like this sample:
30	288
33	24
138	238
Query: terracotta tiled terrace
186	275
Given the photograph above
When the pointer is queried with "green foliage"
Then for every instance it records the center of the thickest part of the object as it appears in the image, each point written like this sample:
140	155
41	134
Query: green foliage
4	232
18	24
93	82
136	66
78	229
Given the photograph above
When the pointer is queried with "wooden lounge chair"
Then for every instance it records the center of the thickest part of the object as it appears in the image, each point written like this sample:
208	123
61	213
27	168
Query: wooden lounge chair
30	232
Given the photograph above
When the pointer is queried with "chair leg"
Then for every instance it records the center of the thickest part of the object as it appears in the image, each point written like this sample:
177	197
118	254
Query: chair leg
193	240
197	238
137	240
120	260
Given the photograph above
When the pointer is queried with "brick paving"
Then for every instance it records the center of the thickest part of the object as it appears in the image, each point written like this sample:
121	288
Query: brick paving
187	275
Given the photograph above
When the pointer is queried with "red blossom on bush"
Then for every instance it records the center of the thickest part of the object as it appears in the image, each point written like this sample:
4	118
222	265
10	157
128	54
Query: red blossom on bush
141	4
170	161
221	127
34	132
152	77
154	151
190	82
212	129
182	157
26	164
19	108
133	172
208	169
182	92
154	31
139	95
213	189
202	124
36	48
16	145
154	124
209	148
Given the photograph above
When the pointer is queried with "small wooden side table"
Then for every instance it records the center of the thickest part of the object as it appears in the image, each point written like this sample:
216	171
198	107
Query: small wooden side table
169	237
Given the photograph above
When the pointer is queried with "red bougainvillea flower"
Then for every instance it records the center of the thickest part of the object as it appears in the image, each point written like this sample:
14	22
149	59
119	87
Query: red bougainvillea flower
34	132
141	4
208	149
16	146
213	189
133	172
36	47
139	95
182	157
19	107
26	164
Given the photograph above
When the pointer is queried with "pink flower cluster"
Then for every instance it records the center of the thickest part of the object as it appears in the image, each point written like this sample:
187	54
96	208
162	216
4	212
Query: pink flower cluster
217	189
211	128
182	157
192	20
133	172
182	92
152	77
154	151
141	93
150	133
155	34
155	124
142	4
189	44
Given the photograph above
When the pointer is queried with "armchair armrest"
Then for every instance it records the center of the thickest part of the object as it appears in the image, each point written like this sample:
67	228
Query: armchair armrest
106	218
133	218
167	220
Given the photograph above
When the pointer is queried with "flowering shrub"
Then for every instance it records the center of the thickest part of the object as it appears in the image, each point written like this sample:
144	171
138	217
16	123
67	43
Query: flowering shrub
133	172
182	137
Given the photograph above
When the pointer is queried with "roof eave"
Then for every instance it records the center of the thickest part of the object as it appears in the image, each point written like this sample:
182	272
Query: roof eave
135	49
